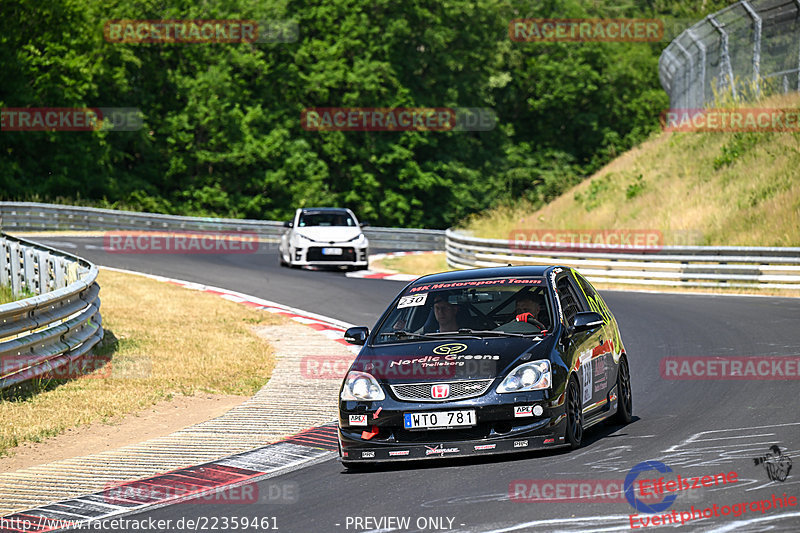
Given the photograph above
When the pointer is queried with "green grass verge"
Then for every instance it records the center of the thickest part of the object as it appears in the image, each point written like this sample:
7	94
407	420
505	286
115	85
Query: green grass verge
714	189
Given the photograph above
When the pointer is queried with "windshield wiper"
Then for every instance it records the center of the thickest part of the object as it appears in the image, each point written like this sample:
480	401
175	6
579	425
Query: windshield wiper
400	334
463	332
495	333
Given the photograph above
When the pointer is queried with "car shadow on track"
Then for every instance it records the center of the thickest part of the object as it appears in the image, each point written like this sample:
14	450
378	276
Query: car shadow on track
592	435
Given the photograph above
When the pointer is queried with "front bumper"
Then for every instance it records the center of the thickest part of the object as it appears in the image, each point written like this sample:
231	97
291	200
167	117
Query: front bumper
497	430
361	452
313	256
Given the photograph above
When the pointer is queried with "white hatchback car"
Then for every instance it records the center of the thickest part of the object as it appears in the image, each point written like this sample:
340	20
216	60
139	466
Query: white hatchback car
324	236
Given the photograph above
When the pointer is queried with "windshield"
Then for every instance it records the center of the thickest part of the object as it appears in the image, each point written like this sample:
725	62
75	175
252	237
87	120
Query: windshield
340	218
480	305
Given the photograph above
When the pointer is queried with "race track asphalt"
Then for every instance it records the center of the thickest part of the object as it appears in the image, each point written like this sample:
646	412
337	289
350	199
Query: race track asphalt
694	427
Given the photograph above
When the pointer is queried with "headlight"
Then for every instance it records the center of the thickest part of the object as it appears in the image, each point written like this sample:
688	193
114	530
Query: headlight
360	386
301	239
361	240
530	376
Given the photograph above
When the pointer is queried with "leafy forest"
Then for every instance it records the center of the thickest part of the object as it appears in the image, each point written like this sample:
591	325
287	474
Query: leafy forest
222	133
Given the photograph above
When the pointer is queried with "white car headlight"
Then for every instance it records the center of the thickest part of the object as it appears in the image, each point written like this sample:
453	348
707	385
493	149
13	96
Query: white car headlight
300	239
360	386
530	376
361	240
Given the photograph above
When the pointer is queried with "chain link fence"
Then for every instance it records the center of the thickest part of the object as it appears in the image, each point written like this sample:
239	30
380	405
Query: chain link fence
741	53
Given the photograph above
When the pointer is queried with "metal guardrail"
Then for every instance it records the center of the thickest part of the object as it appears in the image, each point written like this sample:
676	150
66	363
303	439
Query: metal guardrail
678	266
746	51
28	216
55	328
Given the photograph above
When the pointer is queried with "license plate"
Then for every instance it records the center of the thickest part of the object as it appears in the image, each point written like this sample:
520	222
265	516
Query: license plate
331	251
439	419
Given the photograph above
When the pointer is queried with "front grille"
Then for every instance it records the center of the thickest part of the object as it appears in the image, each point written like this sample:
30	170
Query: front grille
315	254
459	390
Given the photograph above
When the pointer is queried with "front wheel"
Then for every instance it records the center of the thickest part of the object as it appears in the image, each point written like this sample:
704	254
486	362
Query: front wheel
624	398
574	432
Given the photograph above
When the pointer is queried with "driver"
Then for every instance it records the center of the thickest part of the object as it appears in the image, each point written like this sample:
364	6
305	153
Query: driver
445	313
527	302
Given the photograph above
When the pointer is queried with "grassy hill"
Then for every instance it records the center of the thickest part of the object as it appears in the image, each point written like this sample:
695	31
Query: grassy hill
696	188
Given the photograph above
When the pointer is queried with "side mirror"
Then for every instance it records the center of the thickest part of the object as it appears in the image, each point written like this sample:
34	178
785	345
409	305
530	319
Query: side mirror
364	224
288	224
586	321
357	335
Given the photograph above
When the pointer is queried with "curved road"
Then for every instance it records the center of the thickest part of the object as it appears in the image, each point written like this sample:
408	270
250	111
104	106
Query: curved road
695	427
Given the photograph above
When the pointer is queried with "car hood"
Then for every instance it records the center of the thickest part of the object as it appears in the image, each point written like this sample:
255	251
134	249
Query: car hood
327	234
451	359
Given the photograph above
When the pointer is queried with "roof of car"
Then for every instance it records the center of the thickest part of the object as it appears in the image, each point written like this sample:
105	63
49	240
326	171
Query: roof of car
324	210
497	272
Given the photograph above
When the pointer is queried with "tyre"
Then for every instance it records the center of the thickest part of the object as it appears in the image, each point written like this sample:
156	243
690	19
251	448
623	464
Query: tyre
574	411
624	398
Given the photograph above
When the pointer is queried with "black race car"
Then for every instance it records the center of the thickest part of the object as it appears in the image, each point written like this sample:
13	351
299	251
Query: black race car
483	361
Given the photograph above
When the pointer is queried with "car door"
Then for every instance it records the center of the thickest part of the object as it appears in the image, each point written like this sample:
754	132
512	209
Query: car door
583	344
603	370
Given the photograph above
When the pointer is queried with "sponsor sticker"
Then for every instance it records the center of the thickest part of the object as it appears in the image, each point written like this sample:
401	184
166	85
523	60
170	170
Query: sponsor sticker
451	348
414	300
486	446
358	420
521	411
413	368
367	455
586	373
520	444
396	453
440	450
